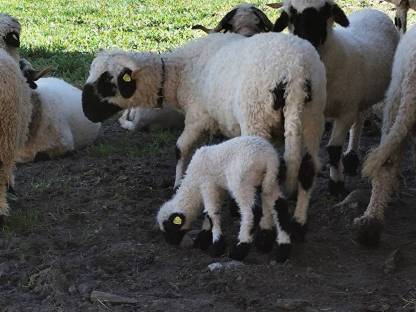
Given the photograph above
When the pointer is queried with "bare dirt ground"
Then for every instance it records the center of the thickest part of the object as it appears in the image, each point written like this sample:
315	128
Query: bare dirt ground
87	222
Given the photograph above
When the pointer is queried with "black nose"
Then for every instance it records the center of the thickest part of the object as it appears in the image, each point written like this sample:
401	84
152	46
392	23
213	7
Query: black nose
96	109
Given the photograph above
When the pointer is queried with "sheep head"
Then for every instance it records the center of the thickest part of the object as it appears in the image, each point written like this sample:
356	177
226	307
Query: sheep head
10	35
245	19
310	19
173	223
120	80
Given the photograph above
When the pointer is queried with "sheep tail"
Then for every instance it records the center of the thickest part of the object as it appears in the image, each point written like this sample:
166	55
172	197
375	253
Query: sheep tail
295	95
403	123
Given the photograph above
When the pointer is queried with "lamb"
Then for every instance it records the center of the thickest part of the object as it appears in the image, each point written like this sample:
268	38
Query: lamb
402	7
245	19
15	105
58	124
353	57
239	166
268	85
399	119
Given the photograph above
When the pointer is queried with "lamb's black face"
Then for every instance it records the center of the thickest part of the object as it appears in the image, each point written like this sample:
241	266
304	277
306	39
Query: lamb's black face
173	231
95	103
311	24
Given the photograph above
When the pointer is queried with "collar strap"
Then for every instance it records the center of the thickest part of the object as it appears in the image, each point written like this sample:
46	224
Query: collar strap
161	92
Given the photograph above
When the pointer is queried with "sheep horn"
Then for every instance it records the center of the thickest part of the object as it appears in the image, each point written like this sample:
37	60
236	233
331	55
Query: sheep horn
276	5
268	25
203	28
37	74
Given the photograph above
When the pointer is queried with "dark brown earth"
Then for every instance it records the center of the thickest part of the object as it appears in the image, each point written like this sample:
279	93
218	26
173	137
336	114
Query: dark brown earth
87	222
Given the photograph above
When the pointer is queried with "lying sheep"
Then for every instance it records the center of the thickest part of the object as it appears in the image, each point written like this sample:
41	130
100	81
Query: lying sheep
358	62
15	105
266	85
239	166
399	121
245	19
58	124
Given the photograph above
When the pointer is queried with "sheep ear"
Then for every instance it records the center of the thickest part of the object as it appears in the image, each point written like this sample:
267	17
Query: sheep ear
265	23
281	23
224	23
339	16
276	5
203	28
37	74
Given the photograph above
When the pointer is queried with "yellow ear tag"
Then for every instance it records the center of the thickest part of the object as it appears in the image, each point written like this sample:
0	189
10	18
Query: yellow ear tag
126	77
177	221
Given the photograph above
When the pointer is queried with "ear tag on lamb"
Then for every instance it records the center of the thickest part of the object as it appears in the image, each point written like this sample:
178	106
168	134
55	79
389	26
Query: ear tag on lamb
15	37
126	77
177	220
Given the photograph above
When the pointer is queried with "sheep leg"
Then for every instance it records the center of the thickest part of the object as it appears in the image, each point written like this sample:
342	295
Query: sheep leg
204	238
282	222
4	178
186	144
211	198
266	234
334	149
351	160
368	227
245	198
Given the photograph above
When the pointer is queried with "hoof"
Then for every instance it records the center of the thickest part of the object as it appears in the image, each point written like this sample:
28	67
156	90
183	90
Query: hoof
203	240
2	221
368	231
240	251
217	249
351	163
283	252
265	240
298	231
336	188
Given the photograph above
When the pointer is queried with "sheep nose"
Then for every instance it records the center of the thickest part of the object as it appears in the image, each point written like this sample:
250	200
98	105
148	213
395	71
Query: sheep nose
96	109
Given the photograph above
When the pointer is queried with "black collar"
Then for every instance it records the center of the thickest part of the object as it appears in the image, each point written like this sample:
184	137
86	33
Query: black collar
161	92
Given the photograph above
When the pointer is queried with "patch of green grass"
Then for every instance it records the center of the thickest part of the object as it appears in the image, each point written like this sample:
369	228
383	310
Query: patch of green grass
67	35
155	140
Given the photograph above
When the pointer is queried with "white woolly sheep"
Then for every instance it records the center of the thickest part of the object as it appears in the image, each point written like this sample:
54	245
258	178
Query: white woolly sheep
58	124
240	166
358	62
266	85
399	121
15	108
245	19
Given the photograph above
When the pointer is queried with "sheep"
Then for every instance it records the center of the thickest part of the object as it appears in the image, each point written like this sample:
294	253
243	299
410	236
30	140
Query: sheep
402	7
358	62
399	119
240	166
58	124
268	85
244	19
15	109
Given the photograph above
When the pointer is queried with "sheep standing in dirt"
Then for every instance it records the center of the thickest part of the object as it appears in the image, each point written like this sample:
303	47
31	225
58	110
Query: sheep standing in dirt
15	108
239	166
268	85
358	62
245	19
58	124
399	121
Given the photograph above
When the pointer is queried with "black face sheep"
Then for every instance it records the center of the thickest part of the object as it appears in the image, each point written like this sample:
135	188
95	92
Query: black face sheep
399	121
239	166
266	85
245	19
402	7
358	57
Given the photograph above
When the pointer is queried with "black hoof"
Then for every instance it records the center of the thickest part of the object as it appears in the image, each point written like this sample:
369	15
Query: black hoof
2	221
217	249
42	156
351	163
298	231
283	252
368	231
265	240
240	251
336	188
203	240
